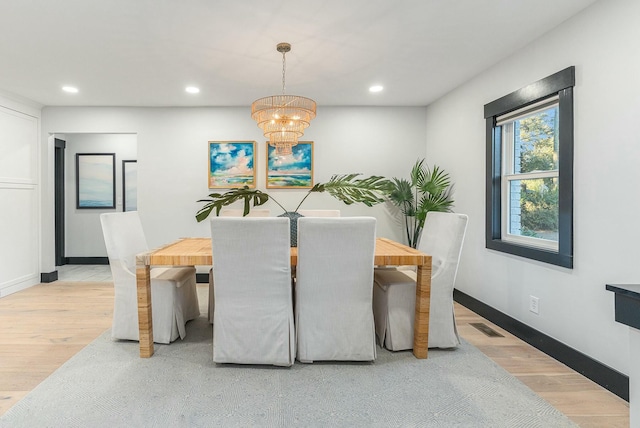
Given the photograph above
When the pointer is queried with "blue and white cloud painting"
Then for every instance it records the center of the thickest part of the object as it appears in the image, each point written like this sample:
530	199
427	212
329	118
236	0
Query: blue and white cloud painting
295	170
130	186
231	164
95	181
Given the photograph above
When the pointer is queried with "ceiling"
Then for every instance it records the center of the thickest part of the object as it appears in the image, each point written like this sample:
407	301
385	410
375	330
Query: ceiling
145	52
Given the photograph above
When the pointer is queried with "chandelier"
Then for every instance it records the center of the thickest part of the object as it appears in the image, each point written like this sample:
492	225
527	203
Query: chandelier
283	118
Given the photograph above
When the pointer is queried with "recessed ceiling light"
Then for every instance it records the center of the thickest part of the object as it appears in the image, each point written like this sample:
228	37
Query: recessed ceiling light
70	89
376	88
192	89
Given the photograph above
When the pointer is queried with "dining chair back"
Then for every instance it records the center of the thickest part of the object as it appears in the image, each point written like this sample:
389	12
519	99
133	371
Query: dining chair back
174	299
255	212
319	213
333	290
394	293
230	212
315	213
253	316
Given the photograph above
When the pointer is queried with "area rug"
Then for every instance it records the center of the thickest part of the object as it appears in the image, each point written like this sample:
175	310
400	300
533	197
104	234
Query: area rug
108	385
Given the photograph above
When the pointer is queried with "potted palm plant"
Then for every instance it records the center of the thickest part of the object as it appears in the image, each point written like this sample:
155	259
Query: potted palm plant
348	188
428	189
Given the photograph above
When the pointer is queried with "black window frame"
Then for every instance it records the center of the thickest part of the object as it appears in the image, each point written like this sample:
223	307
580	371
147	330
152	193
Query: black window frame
560	84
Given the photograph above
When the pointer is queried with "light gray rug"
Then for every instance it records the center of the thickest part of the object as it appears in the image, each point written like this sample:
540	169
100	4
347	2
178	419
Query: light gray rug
107	385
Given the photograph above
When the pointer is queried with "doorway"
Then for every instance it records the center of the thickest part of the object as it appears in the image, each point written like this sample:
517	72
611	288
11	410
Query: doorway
78	233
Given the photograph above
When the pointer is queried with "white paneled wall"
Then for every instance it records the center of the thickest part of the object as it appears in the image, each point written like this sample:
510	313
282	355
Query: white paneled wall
19	201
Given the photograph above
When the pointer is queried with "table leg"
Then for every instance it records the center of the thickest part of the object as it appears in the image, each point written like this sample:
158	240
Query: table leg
145	324
423	301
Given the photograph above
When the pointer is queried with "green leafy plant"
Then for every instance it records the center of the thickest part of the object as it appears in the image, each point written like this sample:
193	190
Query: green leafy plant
347	188
428	189
538	197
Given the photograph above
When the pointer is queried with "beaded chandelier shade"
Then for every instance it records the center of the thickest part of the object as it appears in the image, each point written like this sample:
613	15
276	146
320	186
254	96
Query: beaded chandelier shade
283	118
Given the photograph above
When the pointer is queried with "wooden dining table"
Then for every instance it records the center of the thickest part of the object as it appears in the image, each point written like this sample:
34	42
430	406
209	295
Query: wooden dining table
197	252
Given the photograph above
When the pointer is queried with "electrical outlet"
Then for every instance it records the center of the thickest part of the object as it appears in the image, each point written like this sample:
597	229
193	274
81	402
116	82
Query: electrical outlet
533	304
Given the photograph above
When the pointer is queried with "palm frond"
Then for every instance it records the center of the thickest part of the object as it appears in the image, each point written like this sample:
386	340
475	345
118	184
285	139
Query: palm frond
350	189
402	196
218	200
418	173
436	181
441	202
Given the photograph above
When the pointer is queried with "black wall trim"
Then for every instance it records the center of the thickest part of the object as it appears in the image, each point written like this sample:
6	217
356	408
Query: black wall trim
202	278
59	196
49	276
87	260
555	83
560	84
539	254
601	374
565	179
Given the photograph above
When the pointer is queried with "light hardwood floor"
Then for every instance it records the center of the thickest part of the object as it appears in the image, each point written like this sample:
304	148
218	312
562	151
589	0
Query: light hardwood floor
45	325
583	401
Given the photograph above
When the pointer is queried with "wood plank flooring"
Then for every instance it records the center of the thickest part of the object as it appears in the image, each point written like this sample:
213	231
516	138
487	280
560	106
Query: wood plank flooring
45	325
583	401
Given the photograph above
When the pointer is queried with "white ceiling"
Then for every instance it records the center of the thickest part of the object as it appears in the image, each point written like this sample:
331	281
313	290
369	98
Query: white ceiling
145	52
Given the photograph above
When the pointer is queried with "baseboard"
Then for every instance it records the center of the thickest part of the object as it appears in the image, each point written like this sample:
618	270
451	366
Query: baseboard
49	276
605	376
87	260
202	278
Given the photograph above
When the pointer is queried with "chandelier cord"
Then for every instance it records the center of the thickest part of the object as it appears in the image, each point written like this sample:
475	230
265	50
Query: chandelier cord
284	65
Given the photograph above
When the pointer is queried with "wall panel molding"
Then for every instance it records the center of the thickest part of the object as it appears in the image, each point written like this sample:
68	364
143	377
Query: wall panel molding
20	200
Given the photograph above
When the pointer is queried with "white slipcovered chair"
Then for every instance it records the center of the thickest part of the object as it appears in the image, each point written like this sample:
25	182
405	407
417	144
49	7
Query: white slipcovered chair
314	213
230	212
174	299
333	291
253	316
255	212
394	293
319	213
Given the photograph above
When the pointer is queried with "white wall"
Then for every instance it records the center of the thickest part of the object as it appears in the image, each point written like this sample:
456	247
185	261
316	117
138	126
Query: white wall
83	232
19	195
173	157
603	43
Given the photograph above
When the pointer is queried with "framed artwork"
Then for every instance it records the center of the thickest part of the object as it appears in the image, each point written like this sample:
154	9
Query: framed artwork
294	171
232	164
129	185
95	180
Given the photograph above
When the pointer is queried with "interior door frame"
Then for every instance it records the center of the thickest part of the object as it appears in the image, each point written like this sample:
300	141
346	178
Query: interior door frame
59	198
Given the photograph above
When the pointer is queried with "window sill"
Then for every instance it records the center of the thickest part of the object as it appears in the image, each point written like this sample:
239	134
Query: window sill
534	253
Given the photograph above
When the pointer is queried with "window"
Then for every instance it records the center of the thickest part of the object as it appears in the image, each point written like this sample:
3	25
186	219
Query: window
530	171
530	175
